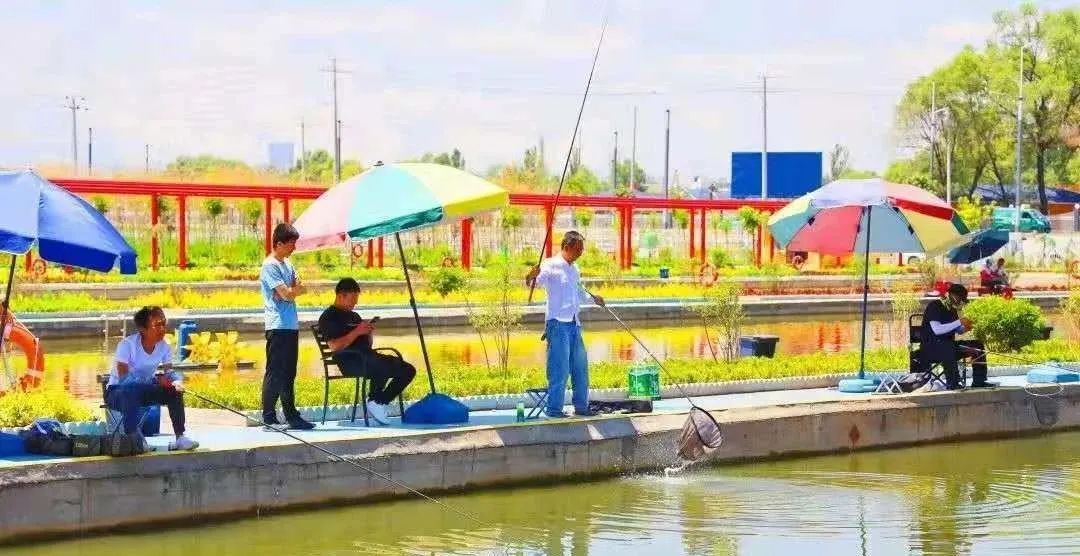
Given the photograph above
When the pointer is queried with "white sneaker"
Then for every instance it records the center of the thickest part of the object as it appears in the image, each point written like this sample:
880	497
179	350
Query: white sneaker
183	443
377	412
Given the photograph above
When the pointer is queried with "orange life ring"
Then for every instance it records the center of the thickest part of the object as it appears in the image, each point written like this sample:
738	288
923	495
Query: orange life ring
357	250
30	345
707	275
39	268
797	261
448	262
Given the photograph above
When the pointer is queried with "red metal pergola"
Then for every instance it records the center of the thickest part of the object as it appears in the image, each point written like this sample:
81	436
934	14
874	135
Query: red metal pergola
623	207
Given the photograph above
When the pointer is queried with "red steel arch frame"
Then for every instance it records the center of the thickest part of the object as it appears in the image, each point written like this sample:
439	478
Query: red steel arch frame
624	207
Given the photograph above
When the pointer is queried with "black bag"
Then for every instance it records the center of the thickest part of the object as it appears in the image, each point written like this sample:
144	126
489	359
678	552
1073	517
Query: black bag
621	406
47	437
912	381
121	444
85	445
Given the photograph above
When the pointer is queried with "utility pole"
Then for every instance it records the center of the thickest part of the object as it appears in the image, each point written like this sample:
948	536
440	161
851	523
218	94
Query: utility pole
667	158
75	103
147	166
334	71
633	152
764	136
933	126
90	151
303	154
615	164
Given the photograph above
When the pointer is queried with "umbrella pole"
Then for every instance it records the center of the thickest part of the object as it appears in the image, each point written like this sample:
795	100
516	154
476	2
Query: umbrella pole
865	295
416	313
7	299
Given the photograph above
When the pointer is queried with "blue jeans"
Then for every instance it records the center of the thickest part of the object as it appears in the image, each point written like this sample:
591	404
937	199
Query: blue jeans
130	399
566	359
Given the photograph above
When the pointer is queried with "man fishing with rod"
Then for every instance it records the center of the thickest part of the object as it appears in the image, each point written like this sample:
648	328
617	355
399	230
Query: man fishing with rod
566	355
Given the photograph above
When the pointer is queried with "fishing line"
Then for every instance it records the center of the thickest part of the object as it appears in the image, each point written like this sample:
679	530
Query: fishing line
337	457
570	151
701	433
1026	387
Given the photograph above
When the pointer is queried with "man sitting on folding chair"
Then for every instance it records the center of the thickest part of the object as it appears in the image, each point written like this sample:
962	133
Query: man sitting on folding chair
941	323
138	380
349	336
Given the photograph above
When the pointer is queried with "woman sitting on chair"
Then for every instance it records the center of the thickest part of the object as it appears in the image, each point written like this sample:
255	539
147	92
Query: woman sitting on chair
138	377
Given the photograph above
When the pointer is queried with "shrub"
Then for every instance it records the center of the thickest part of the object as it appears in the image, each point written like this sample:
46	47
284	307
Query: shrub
720	258
722	311
446	280
1070	310
18	409
1005	324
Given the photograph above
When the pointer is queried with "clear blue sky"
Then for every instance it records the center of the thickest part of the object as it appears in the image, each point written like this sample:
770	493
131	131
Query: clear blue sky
489	77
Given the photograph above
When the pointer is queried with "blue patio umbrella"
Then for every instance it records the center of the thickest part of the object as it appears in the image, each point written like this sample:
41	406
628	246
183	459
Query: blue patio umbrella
66	229
978	245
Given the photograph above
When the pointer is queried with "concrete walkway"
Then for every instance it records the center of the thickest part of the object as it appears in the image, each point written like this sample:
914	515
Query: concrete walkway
207	426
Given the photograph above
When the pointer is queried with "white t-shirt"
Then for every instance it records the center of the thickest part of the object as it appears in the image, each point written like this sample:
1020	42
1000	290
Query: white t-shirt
141	365
562	282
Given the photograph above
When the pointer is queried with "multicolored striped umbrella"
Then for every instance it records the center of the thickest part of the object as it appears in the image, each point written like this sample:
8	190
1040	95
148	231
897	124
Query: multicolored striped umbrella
835	220
865	216
393	198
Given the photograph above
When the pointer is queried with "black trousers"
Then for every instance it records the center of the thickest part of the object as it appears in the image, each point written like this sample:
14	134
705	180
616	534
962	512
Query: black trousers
130	398
282	350
949	354
389	375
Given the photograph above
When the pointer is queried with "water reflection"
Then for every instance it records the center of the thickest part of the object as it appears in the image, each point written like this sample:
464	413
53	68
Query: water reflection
604	342
1019	497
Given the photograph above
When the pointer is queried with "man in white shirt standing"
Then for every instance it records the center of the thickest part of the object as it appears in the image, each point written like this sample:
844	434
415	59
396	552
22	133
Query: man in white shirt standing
566	356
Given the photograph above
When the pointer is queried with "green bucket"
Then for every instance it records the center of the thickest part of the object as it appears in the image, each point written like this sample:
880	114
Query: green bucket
644	382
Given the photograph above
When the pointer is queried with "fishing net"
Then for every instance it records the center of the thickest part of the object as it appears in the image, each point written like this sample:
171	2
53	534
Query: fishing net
700	435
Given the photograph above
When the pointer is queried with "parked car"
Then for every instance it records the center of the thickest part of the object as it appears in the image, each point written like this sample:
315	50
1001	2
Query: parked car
1031	220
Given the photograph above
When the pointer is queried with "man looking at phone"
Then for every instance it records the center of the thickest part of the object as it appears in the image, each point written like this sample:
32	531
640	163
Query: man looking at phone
350	338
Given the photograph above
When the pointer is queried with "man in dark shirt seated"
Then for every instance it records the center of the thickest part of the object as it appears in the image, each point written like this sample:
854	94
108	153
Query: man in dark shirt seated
349	337
940	324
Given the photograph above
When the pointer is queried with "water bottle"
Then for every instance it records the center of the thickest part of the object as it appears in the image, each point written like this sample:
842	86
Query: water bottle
521	412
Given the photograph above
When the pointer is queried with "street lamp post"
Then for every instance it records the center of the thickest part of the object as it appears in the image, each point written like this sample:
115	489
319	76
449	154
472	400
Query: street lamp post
1019	136
944	113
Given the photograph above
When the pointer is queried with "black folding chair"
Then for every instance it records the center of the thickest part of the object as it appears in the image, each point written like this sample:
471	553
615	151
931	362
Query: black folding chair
103	379
326	355
918	363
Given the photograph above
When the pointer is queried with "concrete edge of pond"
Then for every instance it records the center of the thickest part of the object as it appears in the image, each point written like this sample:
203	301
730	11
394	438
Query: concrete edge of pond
71	497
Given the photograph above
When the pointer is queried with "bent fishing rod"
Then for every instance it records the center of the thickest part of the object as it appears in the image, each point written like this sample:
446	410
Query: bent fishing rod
570	151
340	458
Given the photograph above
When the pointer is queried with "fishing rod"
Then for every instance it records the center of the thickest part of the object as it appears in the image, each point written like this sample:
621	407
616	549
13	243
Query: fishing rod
641	343
1051	364
570	151
337	457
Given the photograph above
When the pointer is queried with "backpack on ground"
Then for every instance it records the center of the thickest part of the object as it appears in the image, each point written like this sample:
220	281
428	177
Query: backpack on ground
47	437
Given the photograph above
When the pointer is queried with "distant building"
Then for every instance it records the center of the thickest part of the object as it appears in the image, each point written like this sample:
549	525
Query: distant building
282	156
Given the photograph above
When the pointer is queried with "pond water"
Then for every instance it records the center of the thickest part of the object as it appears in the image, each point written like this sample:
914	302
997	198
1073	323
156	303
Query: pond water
604	342
1017	497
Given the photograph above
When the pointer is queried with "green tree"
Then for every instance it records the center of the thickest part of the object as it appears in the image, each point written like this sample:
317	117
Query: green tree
583	182
252	212
453	159
839	162
624	170
977	90
319	168
205	166
583	217
973	212
214	209
101	204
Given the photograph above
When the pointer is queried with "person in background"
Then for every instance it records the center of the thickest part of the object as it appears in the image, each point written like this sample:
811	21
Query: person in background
1000	274
350	338
940	325
280	287
566	356
137	378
